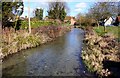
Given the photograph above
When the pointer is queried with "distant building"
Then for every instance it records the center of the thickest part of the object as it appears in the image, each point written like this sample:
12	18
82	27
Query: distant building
117	21
70	19
108	22
112	21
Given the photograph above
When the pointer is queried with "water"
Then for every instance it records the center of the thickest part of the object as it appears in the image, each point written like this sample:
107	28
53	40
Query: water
58	58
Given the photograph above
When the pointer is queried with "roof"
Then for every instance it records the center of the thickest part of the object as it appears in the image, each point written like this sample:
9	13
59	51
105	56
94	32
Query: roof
118	18
69	17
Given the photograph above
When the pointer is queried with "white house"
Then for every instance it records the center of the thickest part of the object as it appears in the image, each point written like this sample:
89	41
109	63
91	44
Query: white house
108	22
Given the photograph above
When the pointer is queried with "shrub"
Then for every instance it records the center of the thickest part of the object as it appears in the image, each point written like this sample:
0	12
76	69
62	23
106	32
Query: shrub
85	21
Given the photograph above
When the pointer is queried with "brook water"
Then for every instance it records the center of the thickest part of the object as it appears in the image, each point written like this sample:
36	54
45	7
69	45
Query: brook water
58	58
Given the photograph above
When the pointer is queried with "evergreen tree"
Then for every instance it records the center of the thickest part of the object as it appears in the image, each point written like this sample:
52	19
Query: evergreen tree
57	10
39	14
9	12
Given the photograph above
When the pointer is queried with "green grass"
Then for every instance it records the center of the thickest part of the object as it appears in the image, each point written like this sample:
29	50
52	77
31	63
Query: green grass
109	29
36	24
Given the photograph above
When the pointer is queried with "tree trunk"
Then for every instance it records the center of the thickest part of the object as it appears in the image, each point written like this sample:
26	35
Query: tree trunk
97	24
104	28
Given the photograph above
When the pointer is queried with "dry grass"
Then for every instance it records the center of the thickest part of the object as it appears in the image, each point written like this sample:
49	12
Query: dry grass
13	42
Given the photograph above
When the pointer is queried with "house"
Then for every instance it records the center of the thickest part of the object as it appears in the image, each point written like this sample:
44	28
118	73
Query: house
117	21
70	19
112	21
108	22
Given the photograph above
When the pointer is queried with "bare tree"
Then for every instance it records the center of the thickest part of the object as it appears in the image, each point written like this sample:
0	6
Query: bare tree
103	10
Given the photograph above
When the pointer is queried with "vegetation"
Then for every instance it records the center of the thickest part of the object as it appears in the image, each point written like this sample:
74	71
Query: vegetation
83	20
10	13
103	10
0	11
36	24
42	31
13	42
109	29
57	10
39	14
100	45
100	48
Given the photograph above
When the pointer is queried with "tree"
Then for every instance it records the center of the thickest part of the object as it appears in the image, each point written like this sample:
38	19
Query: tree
39	14
103	10
84	20
0	20
11	12
0	11
57	10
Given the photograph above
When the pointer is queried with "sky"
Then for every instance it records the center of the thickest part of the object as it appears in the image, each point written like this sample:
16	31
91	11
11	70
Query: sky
75	6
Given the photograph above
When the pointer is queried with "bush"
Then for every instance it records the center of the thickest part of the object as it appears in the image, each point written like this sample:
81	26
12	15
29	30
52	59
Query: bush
85	21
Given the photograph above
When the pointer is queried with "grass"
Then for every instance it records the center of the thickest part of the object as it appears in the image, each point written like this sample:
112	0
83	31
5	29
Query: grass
109	29
36	24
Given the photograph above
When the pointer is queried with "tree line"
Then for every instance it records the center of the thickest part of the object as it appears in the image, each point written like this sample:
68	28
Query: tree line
11	12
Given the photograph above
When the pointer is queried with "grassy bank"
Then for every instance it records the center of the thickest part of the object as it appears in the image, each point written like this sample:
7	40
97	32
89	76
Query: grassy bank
13	42
36	24
40	23
100	50
109	29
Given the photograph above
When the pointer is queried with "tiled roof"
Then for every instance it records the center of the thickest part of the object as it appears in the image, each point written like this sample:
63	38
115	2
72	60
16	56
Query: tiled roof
118	18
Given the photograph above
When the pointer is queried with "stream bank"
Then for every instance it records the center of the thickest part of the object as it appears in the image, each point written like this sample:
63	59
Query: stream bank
101	54
13	42
60	57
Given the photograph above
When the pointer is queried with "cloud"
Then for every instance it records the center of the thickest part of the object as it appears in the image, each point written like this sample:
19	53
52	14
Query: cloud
78	9
80	6
33	6
42	5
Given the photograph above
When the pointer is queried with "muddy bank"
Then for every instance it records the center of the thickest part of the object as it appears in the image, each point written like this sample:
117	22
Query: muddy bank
13	42
101	55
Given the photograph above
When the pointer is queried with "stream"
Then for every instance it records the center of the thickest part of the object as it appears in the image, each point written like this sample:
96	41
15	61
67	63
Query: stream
61	57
